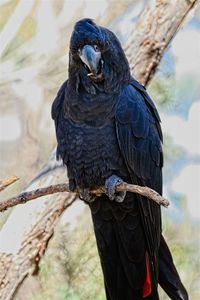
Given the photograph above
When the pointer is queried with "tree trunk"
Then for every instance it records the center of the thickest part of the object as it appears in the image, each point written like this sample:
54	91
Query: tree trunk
152	34
25	235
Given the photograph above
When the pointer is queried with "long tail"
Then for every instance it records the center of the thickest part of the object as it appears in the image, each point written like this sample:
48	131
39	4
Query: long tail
169	278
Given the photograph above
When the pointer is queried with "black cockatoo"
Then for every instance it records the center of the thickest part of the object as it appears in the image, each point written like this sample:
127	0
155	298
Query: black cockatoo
108	131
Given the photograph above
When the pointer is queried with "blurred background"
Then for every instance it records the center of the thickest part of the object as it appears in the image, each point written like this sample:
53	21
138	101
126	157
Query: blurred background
34	39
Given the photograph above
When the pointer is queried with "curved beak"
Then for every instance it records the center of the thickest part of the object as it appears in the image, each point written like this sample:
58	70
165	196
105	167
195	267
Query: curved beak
91	58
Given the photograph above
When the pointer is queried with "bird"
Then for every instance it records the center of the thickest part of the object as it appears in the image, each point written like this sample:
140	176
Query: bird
108	131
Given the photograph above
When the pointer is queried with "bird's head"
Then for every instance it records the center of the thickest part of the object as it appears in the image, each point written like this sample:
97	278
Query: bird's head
96	57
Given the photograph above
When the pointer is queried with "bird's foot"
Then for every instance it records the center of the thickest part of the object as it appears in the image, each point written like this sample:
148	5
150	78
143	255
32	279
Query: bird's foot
86	196
110	185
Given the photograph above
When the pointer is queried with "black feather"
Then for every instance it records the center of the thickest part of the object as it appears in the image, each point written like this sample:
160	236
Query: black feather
112	127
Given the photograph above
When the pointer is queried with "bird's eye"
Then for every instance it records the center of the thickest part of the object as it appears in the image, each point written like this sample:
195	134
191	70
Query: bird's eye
96	48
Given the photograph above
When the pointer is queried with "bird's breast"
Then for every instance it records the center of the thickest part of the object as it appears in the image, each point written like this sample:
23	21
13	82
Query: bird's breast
92	154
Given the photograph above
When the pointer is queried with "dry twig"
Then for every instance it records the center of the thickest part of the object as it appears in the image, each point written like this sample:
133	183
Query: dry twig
6	182
63	187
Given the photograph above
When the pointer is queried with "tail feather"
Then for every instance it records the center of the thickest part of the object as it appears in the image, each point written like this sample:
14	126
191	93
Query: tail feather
147	289
169	278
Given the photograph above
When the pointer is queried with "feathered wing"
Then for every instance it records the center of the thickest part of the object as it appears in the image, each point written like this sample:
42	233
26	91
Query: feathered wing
57	116
139	136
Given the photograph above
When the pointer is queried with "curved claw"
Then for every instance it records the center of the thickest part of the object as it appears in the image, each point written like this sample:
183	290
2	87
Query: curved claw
120	196
110	186
85	195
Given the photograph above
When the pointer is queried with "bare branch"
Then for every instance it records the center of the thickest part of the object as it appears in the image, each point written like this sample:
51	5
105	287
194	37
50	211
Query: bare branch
6	182
141	190
63	187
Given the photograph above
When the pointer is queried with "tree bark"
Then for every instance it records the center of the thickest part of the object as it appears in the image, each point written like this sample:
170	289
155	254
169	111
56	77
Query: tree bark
25	235
152	35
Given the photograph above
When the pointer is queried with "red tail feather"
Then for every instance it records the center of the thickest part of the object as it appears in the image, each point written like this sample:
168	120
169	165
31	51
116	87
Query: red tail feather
147	285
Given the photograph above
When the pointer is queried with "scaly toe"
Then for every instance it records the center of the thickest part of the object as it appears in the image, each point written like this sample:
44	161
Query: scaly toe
85	195
120	196
110	186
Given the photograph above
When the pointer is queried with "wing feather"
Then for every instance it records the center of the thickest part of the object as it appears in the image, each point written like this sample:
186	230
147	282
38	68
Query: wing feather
59	123
139	135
